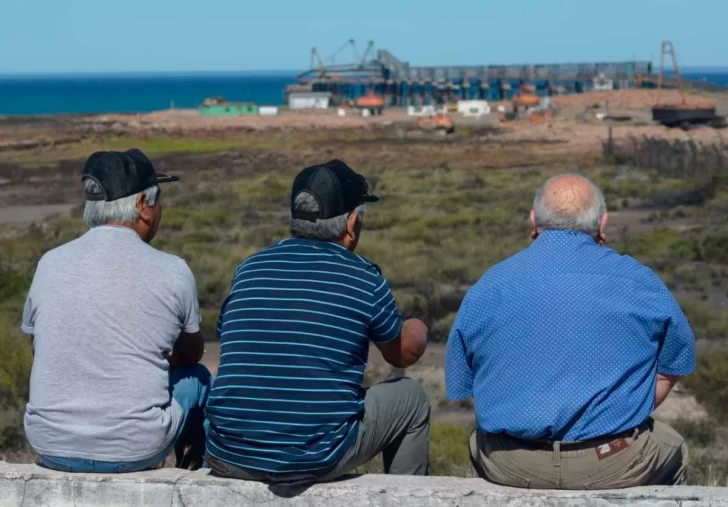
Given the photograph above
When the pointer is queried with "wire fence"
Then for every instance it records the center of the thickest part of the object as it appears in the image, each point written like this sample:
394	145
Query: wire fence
680	159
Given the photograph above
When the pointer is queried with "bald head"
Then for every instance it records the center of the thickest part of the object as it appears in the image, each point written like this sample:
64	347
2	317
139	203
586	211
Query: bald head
569	201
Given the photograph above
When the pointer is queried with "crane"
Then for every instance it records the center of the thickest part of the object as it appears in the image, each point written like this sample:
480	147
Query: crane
668	48
680	115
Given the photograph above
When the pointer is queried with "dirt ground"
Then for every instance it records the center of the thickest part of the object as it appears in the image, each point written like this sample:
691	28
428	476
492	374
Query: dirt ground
27	144
574	124
28	214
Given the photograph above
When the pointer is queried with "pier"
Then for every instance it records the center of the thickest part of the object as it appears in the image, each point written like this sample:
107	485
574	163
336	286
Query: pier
402	84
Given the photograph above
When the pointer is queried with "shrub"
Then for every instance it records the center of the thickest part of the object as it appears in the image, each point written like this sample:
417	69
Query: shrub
709	383
714	248
15	349
707	447
14	384
449	453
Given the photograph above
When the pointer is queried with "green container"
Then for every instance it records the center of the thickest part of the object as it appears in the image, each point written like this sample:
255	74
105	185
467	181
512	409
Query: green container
229	109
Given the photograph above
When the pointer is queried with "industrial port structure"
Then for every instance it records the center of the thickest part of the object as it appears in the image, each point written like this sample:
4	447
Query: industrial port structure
401	84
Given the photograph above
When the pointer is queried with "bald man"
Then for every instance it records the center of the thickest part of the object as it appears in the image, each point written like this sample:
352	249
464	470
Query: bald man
567	348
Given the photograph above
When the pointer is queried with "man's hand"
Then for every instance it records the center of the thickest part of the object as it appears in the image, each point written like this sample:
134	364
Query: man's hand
665	383
406	350
188	350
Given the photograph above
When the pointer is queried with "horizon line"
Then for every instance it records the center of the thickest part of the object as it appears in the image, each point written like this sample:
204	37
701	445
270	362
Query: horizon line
279	72
125	73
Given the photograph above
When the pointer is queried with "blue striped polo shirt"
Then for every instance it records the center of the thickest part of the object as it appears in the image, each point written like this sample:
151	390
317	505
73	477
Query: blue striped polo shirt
294	333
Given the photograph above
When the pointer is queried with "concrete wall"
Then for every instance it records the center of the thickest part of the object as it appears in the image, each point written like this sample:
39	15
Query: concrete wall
29	485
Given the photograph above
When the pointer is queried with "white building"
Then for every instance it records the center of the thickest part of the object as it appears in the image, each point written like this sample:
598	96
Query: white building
268	111
473	107
602	83
309	100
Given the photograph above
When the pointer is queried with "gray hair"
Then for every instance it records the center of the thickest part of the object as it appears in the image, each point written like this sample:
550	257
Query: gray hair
123	210
586	220
329	229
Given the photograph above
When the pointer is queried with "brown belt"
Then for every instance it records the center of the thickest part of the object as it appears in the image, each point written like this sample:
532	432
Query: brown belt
548	445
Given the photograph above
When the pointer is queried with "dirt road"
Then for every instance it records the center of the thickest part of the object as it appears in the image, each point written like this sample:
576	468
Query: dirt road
28	214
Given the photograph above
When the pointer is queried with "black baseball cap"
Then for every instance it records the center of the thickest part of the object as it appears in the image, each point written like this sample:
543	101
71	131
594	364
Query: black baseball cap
335	186
121	174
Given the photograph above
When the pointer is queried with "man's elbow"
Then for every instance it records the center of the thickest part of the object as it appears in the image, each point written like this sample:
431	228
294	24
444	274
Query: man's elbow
462	395
410	357
186	358
671	379
189	350
413	341
196	356
404	355
400	361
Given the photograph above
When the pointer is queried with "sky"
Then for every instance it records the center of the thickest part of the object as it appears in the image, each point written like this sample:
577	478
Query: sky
79	36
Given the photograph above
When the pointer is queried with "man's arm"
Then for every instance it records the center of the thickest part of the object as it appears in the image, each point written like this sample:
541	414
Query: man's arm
665	383
401	344
458	373
190	346
188	349
30	310
676	356
407	348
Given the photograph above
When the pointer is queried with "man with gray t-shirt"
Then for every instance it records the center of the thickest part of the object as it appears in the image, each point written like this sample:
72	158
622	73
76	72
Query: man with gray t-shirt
115	323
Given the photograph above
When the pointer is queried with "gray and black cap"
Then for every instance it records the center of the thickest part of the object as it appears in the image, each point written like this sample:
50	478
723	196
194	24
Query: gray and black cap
121	174
336	188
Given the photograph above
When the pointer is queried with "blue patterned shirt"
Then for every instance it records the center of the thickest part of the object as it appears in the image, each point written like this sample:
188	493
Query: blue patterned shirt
294	338
563	341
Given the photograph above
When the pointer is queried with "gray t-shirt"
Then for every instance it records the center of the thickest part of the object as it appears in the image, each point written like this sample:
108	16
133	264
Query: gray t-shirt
104	311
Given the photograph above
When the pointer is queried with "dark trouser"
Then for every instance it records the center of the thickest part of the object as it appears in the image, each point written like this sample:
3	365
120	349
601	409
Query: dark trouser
653	454
396	422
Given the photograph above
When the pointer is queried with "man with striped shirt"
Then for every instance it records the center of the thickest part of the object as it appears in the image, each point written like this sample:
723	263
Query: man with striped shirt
287	406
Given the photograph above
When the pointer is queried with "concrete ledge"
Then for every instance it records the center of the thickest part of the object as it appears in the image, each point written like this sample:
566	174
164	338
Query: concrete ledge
29	485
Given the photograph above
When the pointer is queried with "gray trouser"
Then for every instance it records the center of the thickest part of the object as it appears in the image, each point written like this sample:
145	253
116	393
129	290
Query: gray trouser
653	454
396	422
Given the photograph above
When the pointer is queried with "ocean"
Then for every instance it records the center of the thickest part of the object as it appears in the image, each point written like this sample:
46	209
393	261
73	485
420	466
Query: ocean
711	77
143	93
132	94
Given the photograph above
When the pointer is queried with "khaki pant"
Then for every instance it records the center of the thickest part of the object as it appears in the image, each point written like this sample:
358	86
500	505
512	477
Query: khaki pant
654	454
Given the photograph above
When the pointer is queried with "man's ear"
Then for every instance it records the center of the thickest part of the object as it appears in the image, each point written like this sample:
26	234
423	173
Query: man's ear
534	227
351	223
143	208
601	236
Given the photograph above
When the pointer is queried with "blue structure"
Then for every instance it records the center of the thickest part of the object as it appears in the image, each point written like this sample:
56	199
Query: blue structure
404	85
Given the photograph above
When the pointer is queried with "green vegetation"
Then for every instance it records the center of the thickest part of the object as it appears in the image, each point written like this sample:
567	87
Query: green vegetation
16	268
449	454
162	145
707	449
710	384
14	379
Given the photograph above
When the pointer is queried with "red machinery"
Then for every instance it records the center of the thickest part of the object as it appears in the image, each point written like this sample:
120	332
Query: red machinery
371	101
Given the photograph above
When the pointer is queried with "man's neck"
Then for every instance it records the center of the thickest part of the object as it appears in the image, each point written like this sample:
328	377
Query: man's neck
566	232
344	243
341	242
126	225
